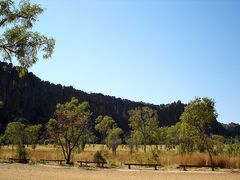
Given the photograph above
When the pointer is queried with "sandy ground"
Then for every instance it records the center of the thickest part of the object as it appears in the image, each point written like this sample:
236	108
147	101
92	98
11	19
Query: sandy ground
45	172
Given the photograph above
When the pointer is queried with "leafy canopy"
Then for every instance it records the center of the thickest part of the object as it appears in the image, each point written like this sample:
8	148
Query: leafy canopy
197	120
18	40
198	117
69	124
104	124
143	120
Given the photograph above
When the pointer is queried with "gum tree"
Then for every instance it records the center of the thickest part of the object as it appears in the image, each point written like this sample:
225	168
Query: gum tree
103	125
197	120
143	120
68	125
19	134
18	40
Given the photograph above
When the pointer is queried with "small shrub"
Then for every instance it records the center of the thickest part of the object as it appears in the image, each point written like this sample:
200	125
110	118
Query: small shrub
136	158
112	163
154	157
99	157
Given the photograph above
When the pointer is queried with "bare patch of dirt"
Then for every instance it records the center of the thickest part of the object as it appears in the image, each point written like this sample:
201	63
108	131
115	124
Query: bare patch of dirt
45	172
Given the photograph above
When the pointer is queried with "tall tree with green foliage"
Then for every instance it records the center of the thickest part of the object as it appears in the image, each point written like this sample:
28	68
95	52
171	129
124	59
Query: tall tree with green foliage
17	133
18	40
160	136
68	125
33	134
197	119
173	136
145	121
110	133
113	139
103	124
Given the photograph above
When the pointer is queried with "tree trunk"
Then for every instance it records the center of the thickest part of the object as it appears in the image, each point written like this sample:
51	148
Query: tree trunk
210	156
145	146
68	160
114	151
209	151
69	156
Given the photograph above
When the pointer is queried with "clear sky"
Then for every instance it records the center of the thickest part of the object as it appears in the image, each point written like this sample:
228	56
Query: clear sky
145	50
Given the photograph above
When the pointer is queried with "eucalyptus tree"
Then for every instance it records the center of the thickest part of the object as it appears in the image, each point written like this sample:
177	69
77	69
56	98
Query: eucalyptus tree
197	120
143	120
20	134
103	124
69	123
18	39
113	139
110	132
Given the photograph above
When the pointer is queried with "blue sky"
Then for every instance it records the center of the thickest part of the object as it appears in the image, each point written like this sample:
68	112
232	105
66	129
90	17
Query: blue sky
152	51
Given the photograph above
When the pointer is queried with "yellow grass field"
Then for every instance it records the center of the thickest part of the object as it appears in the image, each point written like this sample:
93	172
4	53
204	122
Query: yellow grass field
116	170
45	172
167	159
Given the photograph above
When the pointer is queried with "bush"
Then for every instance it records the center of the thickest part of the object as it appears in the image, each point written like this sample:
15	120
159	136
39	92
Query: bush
21	152
99	157
154	157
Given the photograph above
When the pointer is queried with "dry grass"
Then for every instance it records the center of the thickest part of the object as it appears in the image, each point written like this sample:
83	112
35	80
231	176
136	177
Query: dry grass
169	159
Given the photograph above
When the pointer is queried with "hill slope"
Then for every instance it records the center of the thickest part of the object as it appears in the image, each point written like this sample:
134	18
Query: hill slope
35	100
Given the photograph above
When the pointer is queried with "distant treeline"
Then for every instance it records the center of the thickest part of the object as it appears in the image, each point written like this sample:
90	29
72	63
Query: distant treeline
35	100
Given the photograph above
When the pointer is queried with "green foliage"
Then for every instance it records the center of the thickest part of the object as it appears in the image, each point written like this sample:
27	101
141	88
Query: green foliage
173	136
69	124
136	157
18	40
21	152
232	149
100	156
134	140
144	120
109	131
33	134
114	139
104	124
19	134
87	138
218	142
16	134
154	157
197	120
186	143
160	136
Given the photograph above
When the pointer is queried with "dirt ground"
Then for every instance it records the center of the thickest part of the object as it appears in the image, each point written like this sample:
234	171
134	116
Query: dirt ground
45	172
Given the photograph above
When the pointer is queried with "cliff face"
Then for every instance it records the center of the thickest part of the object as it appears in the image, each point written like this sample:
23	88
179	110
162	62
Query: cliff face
35	100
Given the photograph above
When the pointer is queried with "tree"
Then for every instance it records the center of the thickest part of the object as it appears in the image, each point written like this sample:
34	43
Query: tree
186	143
173	136
103	125
114	139
69	124
197	119
18	40
16	134
159	136
218	142
19	134
134	140
87	138
33	134
144	120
